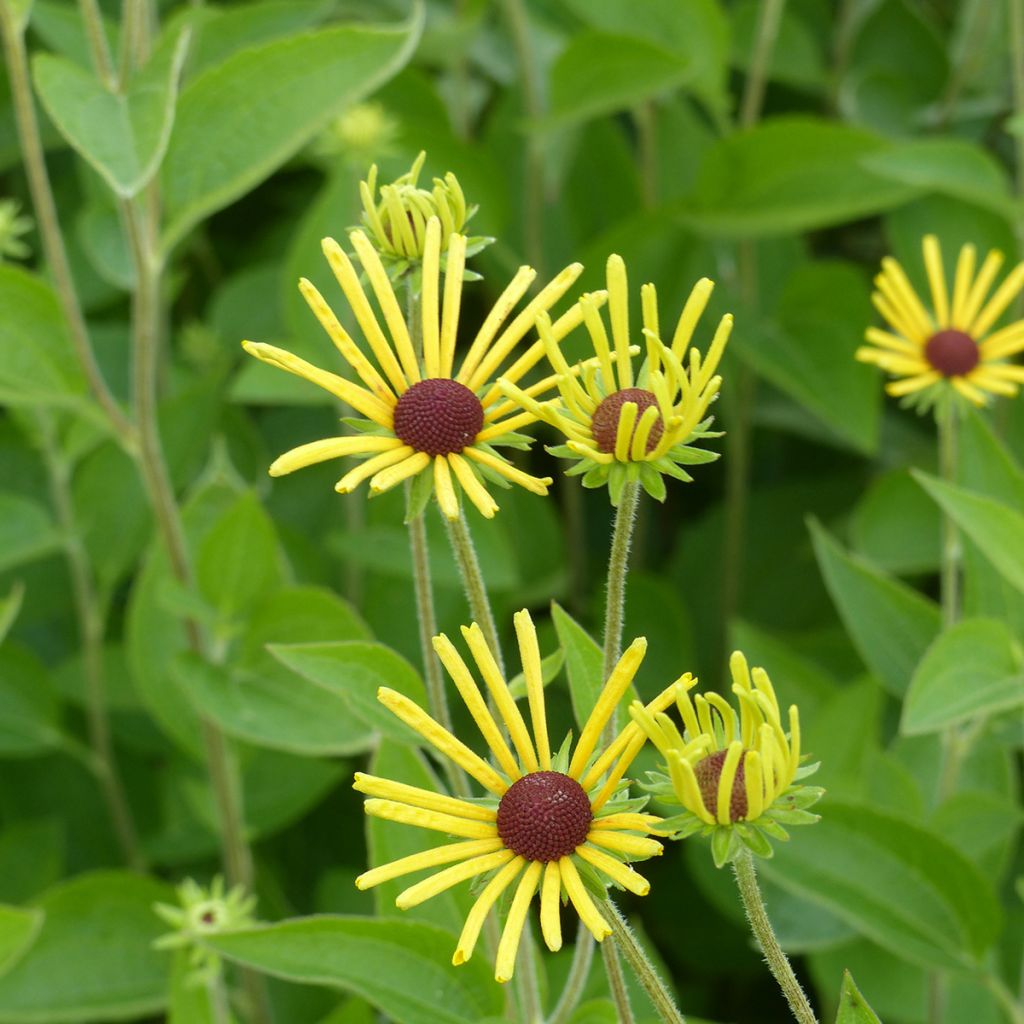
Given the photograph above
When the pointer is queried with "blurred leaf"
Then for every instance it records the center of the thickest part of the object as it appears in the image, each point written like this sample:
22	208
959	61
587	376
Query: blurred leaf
9	608
796	57
895	526
890	624
896	883
29	712
972	669
23	878
27	531
19	928
599	73
584	663
789	174
101	235
420	986
189	1002
997	529
122	135
808	350
93	959
296	84
60	26
853	1008
353	673
982	826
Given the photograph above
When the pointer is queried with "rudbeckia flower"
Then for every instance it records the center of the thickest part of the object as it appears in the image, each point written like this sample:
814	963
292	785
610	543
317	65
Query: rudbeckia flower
550	818
951	344
624	426
425	419
735	774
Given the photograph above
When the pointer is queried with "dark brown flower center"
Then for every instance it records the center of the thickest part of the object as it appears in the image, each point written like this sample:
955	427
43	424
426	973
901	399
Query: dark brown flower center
438	416
605	423
544	816
708	772
953	353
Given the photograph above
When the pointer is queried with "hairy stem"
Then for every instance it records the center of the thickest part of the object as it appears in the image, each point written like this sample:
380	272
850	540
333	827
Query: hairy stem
575	982
947	430
642	967
473	582
617	983
778	963
45	209
760	60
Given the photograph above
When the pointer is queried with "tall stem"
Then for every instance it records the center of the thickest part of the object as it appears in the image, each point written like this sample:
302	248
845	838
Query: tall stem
778	963
760	60
947	430
90	628
45	208
473	582
642	967
616	983
92	19
579	971
1016	12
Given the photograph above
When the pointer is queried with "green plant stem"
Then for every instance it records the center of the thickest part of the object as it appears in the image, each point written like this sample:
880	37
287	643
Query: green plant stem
45	209
102	61
947	431
527	981
575	982
778	963
616	983
645	117
1016	19
218	1000
473	581
642	967
89	615
760	61
1013	1009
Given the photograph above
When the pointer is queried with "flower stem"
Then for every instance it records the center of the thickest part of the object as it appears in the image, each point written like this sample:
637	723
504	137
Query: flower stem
616	983
103	64
644	970
1016	12
760	59
579	971
473	582
778	963
947	430
615	601
1013	1009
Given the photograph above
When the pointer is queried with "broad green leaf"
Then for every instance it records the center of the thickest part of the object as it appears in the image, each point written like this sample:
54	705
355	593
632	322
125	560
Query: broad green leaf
238	560
796	56
29	723
807	350
190	1002
419	985
897	883
997	529
123	136
789	174
352	673
972	669
218	151
9	608
853	1007
981	825
282	713
890	624
584	663
19	928
599	73
895	526
27	531
956	167
93	959
23	878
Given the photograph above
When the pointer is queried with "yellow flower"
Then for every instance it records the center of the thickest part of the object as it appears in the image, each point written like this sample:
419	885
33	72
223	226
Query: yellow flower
951	344
625	427
550	818
733	774
425	419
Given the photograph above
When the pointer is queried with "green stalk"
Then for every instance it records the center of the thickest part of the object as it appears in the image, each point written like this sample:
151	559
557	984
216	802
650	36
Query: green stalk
616	983
45	209
642	967
760	59
579	971
778	963
1016	19
102	61
473	582
947	431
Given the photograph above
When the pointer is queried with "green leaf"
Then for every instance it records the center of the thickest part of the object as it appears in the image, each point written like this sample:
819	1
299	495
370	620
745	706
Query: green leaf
599	73
418	986
584	663
890	624
238	560
27	531
297	84
789	174
10	606
895	526
28	708
276	711
93	959
189	1002
997	529
19	928
853	1007
123	136
352	673
972	669
897	883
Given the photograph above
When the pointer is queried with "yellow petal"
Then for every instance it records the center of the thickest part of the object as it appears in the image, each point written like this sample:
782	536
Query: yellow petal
753	783
505	962
936	278
624	430
629	821
632	846
535	484
981	286
430	887
529	652
330	448
454	268
373	785
387	478
404	814
430	316
1005	294
447	499
354	477
475	918
550	900
898	388
692	311
618	313
577	892
427	859
475	490
962	286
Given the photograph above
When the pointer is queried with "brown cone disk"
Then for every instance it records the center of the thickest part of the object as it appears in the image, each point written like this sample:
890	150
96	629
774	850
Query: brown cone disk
544	816
952	353
438	416
605	423
708	772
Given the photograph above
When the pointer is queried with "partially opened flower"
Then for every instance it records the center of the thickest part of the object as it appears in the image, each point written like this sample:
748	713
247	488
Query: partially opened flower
549	820
425	419
735	774
951	345
623	425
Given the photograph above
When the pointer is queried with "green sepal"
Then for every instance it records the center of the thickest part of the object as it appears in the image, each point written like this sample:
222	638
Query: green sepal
560	762
597	476
581	467
652	481
806	770
420	491
591	879
668	467
794	817
550	666
689	456
618	475
725	844
561	451
631	806
365	426
755	840
767	824
679	826
512	440
800	797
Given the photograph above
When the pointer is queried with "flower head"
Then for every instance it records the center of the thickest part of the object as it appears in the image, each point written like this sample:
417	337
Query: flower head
423	420
734	774
13	224
362	133
550	819
622	426
396	217
202	912
950	349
